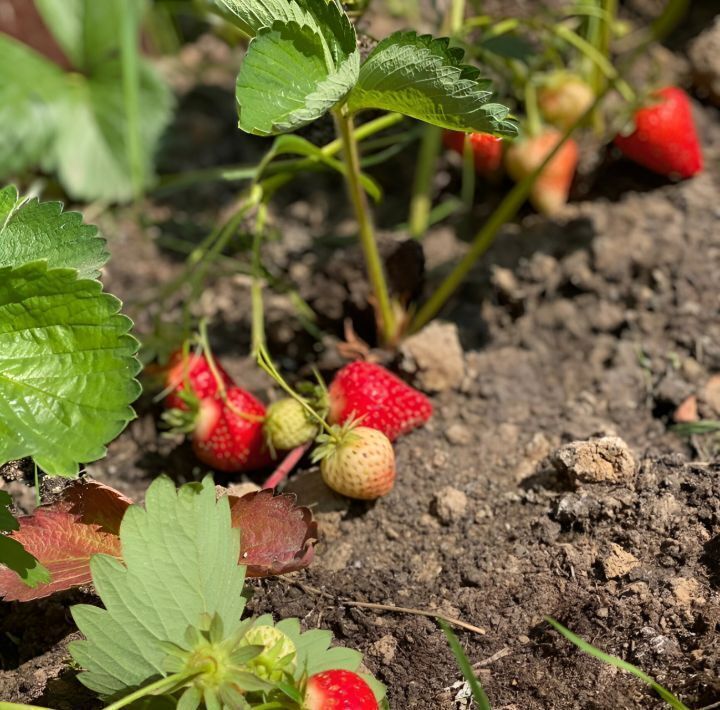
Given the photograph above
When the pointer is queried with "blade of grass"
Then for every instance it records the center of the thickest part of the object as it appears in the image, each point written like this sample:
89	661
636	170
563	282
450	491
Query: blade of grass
588	648
464	665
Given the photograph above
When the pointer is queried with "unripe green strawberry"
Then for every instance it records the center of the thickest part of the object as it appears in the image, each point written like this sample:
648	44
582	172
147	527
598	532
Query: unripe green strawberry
357	462
288	425
277	662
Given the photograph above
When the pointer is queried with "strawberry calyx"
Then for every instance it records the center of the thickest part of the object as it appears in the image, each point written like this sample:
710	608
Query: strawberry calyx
337	436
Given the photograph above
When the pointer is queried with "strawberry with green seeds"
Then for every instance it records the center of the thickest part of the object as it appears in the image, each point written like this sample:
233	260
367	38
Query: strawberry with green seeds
549	193
487	150
664	138
227	434
338	690
288	425
356	461
367	391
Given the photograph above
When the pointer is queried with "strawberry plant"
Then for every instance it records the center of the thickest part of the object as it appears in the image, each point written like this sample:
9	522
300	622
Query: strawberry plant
171	626
410	74
95	124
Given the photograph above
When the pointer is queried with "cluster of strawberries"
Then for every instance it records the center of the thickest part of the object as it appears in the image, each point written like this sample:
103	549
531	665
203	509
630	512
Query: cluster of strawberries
663	140
354	422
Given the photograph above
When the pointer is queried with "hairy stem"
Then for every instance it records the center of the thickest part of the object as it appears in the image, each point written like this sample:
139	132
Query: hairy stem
422	187
373	263
156	688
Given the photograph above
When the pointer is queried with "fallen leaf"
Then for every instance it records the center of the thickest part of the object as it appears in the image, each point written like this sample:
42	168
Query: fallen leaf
276	536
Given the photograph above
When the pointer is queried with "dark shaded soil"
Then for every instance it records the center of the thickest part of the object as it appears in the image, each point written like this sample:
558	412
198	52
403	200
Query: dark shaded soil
599	323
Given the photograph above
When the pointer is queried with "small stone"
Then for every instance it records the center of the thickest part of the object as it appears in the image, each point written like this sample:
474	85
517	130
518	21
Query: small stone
458	434
606	460
450	505
619	562
687	410
602	613
523	639
711	394
435	357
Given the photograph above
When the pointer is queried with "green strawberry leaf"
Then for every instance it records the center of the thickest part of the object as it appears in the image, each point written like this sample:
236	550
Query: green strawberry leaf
12	554
75	123
30	87
32	230
424	78
272	100
180	563
67	367
87	30
90	149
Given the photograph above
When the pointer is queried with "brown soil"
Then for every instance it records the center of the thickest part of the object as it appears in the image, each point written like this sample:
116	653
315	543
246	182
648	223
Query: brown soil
597	324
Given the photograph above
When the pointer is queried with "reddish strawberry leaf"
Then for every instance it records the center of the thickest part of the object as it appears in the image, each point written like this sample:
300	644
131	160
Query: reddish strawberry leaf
276	535
63	535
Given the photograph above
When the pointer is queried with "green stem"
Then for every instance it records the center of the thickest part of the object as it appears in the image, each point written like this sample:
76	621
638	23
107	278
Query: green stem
256	297
424	172
505	211
212	364
267	365
467	191
156	688
534	122
457	16
131	93
21	706
37	484
373	263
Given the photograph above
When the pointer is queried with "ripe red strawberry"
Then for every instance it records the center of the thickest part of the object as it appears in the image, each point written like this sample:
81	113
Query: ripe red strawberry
486	149
338	690
366	391
665	139
228	435
356	461
564	98
195	369
550	191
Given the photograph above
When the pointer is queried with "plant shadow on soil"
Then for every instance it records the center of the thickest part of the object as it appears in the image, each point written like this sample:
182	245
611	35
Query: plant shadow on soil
599	323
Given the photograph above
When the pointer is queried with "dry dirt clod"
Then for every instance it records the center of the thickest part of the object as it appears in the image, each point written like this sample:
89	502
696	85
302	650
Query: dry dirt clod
711	394
705	61
459	434
619	562
384	648
435	357
450	505
607	460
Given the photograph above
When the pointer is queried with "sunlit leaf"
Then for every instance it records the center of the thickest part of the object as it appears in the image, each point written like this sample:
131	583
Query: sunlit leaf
179	562
424	78
67	368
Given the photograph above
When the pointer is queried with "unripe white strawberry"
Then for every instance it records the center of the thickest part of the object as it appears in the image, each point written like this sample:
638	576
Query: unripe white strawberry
564	99
357	462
